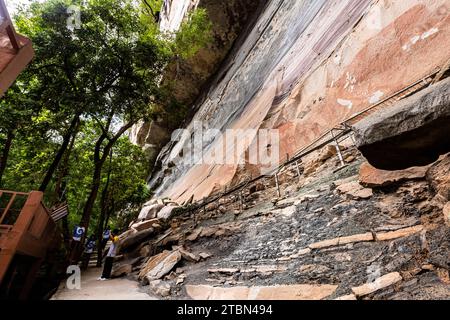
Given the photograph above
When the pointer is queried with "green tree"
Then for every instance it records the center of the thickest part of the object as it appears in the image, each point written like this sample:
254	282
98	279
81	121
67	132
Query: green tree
86	87
16	111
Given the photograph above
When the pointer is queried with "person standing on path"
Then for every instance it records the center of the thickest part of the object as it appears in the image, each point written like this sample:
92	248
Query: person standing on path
106	274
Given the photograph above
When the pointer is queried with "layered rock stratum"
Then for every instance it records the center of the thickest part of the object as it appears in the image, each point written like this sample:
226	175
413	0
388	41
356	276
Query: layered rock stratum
303	68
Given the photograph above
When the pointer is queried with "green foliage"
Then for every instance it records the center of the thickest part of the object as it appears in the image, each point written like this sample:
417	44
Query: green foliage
194	34
106	74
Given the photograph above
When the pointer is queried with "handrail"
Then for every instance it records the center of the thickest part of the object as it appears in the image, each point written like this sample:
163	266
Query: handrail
16	192
344	129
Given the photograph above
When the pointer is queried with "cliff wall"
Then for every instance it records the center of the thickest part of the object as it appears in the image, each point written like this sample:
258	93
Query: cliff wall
305	67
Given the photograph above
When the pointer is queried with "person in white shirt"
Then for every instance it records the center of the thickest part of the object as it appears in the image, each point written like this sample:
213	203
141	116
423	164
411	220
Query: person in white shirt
106	274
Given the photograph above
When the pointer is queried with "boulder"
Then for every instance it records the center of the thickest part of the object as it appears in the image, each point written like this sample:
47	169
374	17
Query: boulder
204	255
439	178
354	190
318	158
166	213
160	288
372	177
144	224
135	238
149	212
326	153
446	212
208	231
127	234
160	265
121	269
188	255
412	132
180	279
145	251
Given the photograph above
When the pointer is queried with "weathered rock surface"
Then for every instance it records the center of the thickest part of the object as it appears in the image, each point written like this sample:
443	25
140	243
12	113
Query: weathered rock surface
159	265
121	269
318	158
355	190
288	292
439	178
348	297
160	288
140	226
166	213
305	67
380	283
135	238
149	212
399	233
229	19
342	241
446	212
372	177
315	236
413	132
188	255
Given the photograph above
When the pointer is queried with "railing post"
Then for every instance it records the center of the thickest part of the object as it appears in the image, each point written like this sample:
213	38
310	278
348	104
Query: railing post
341	158
298	170
338	149
278	185
352	136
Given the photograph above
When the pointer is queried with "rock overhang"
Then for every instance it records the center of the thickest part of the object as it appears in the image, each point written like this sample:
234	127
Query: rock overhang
413	132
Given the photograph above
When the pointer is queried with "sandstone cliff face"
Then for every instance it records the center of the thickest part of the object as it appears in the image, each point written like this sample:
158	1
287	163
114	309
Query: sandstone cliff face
305	67
229	20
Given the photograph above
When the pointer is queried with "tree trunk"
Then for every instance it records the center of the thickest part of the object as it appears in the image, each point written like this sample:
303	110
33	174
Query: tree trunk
66	232
61	185
59	154
5	153
96	179
99	160
104	205
64	168
108	214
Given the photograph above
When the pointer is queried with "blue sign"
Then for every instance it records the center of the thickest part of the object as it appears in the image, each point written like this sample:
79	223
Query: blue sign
106	234
78	233
90	246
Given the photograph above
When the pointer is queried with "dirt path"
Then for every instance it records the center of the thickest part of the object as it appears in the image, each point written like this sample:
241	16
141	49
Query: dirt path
92	289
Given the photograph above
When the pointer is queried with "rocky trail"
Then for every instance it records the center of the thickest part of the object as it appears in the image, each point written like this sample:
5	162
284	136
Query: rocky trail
351	232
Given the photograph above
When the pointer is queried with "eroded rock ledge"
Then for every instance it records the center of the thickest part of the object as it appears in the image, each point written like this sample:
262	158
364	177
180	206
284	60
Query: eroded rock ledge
414	132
